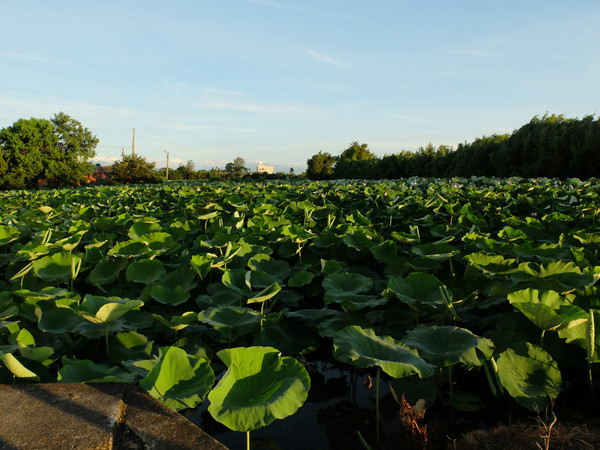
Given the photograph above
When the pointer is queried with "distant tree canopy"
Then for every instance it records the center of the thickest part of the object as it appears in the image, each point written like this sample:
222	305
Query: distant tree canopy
237	167
135	169
548	146
55	150
320	166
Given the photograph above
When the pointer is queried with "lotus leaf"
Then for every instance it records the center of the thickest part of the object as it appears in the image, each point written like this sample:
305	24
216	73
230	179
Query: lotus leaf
168	295
86	371
58	267
230	320
363	348
145	271
443	346
258	387
178	380
530	375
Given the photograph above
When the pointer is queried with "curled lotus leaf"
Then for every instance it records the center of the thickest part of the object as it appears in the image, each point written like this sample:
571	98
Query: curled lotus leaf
362	348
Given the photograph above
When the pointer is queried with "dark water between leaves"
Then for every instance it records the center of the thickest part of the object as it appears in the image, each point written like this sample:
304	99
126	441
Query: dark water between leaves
339	404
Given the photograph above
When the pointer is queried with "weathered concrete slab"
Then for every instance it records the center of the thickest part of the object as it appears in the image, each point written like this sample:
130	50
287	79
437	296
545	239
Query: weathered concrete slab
92	416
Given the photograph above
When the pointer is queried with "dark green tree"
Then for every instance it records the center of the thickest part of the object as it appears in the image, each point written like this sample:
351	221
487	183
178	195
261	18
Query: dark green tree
320	166
135	169
237	167
357	161
55	150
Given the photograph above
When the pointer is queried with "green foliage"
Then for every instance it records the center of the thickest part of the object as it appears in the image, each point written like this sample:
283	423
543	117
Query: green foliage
134	169
55	150
320	166
547	146
399	278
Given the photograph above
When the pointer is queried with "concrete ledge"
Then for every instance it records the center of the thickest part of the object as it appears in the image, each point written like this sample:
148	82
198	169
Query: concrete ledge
92	416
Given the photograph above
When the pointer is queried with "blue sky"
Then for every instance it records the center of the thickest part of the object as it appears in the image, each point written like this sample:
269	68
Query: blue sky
279	80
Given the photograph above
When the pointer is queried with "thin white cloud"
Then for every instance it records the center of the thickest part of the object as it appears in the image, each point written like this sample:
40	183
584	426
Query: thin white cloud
275	5
473	52
183	127
254	107
323	57
25	57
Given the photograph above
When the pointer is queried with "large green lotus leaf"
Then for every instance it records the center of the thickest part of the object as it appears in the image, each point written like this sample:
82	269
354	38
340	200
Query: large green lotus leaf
107	271
230	320
86	371
158	242
548	310
492	264
344	282
417	287
259	387
443	346
58	320
139	229
386	252
145	271
57	267
16	368
530	375
359	239
168	295
236	279
131	249
8	234
363	348
178	380
543	252
279	269
546	275
288	336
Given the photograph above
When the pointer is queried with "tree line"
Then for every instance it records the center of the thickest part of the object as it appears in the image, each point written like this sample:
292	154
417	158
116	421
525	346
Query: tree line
548	146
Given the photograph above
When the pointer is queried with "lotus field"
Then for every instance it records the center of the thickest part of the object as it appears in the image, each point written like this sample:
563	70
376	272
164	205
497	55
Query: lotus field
454	291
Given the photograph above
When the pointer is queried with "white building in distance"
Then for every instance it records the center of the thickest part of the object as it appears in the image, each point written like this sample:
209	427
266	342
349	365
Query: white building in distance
263	168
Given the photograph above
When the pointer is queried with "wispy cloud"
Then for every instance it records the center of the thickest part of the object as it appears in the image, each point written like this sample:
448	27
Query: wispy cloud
255	107
473	52
25	57
323	57
183	127
273	4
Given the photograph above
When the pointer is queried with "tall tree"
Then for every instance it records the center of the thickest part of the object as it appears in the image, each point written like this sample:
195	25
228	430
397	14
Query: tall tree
237	167
320	166
55	150
357	161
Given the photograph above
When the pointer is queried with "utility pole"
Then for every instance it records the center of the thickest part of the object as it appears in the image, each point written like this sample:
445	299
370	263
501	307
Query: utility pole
167	177
123	153
133	144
